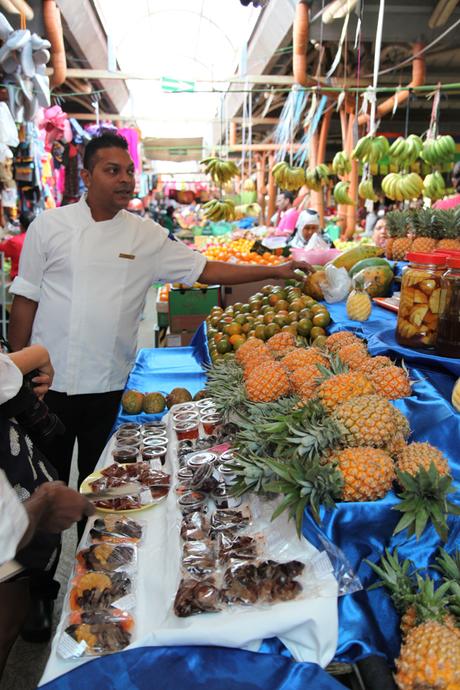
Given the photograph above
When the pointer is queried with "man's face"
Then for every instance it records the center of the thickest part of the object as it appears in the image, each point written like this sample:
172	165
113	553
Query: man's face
308	231
111	181
284	203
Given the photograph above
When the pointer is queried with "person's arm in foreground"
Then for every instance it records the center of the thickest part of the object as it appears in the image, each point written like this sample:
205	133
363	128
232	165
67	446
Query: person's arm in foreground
53	507
21	320
219	272
35	357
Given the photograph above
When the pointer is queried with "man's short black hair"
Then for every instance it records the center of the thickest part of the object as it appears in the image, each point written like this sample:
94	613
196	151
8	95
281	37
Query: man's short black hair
289	195
25	219
105	141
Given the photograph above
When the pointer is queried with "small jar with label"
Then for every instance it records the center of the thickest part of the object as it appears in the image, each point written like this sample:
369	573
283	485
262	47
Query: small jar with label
448	340
420	302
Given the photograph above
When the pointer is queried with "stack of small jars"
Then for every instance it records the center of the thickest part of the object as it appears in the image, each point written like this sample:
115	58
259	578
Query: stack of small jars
190	418
134	441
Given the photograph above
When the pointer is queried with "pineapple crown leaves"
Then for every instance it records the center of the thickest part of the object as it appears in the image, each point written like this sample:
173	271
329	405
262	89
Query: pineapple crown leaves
315	433
397	576
430	603
448	566
252	473
303	486
397	222
225	385
423	222
424	499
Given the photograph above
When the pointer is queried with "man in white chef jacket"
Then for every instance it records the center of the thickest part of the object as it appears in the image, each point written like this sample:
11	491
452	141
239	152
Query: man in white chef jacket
83	278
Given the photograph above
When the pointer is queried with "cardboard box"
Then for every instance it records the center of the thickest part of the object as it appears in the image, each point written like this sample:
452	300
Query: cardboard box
181	339
242	293
188	307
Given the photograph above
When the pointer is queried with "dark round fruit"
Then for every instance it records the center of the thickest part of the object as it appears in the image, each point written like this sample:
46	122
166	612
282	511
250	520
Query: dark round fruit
304	327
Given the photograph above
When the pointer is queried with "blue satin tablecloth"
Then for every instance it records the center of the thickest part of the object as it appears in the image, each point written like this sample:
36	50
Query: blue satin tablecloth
368	621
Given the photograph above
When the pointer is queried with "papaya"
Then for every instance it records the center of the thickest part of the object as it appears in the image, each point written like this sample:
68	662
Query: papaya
376	280
132	401
350	257
365	263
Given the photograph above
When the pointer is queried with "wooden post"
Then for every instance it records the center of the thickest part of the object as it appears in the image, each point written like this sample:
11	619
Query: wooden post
261	162
353	190
321	157
271	189
232	136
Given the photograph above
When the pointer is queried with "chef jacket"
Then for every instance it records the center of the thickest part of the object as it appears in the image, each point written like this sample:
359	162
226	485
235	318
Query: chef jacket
90	280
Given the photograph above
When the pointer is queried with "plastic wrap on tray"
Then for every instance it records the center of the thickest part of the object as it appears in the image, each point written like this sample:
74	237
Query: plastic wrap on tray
154	482
199	558
95	633
196	596
233	545
107	557
99	590
266	582
195	526
117	529
230	519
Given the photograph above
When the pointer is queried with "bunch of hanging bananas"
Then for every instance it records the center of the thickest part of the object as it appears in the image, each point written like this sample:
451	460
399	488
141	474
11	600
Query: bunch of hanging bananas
371	149
220	171
433	186
249	185
251	210
341	165
404	152
219	210
317	177
341	195
366	189
398	187
288	177
438	151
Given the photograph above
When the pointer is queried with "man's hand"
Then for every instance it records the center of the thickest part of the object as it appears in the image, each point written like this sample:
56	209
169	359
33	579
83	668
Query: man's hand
287	271
64	506
43	381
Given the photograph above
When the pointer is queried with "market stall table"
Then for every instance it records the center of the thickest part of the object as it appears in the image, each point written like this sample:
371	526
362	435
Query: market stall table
368	623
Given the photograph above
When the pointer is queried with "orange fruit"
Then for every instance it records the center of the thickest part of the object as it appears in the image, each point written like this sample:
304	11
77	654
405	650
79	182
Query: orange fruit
233	328
322	319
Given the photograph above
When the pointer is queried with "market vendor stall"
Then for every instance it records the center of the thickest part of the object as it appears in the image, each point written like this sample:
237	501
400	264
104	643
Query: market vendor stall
368	623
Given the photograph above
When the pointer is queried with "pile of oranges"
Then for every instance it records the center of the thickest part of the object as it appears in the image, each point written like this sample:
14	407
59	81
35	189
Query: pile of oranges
239	251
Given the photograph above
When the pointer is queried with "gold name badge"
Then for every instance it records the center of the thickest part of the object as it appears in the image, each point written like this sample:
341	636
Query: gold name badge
127	256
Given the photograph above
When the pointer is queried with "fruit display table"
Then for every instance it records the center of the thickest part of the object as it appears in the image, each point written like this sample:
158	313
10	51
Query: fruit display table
368	623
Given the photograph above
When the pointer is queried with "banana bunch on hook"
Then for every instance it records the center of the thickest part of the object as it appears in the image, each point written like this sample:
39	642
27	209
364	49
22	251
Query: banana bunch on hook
341	164
220	171
371	149
341	195
439	151
399	187
366	189
288	177
434	186
216	210
317	177
404	152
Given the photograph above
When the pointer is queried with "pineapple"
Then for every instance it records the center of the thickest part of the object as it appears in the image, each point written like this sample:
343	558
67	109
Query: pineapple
429	658
359	303
456	395
267	382
424	229
248	349
260	357
338	388
305	380
354	355
417	455
399	242
369	420
448	222
368	473
281	343
373	364
302	357
336	341
392	382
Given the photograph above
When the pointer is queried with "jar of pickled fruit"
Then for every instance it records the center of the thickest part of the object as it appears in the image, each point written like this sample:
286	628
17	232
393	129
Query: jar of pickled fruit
448	340
420	301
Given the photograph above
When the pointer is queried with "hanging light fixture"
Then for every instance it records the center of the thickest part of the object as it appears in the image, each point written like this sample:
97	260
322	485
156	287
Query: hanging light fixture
441	13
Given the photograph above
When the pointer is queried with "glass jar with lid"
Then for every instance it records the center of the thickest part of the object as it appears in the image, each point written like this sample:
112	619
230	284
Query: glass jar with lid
448	340
420	300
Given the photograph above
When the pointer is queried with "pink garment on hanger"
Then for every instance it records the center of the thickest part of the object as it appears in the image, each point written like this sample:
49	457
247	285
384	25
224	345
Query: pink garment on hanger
132	137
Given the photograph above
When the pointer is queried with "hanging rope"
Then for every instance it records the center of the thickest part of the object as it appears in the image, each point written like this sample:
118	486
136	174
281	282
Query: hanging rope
378	48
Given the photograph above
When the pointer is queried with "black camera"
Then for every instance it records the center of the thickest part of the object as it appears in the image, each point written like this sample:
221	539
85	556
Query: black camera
32	413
